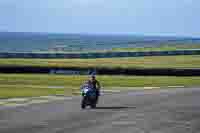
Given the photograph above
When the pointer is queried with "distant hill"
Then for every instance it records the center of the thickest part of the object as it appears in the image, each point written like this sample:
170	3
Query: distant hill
28	42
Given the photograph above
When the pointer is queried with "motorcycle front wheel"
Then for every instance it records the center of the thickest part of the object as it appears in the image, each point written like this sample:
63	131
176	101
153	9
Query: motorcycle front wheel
83	104
93	106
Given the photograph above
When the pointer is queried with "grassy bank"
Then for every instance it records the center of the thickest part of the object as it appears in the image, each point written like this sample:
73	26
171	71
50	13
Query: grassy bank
188	61
20	85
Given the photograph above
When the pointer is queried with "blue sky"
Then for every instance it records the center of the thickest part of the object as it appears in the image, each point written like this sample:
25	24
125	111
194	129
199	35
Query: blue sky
146	17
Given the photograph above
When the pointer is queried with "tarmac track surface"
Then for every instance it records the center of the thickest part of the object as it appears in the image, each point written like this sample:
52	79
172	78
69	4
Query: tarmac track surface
152	111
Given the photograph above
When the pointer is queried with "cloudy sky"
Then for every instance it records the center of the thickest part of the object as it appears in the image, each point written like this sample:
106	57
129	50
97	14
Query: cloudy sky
146	17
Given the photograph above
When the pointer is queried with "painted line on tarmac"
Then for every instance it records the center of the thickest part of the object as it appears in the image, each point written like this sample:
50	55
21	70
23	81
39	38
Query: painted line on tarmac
15	102
132	88
18	100
102	92
152	88
176	86
34	86
121	89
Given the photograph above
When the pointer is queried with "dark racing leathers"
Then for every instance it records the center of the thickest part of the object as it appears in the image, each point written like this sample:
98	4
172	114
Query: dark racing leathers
96	86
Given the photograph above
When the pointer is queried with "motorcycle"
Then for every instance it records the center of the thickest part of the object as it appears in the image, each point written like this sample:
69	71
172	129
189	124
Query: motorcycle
89	98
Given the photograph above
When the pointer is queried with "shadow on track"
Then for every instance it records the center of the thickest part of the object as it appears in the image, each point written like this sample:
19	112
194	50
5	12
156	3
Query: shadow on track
115	107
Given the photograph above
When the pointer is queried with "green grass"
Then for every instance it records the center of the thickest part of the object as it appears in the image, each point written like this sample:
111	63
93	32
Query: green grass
189	61
29	85
162	47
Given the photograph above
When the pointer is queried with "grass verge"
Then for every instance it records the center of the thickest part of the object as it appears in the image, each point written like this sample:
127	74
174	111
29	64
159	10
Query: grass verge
29	85
162	47
189	61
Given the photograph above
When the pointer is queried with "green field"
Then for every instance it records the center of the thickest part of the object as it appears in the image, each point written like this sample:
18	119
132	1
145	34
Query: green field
189	61
163	47
160	47
26	85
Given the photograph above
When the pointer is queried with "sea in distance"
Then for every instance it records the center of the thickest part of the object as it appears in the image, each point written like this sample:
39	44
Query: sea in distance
44	42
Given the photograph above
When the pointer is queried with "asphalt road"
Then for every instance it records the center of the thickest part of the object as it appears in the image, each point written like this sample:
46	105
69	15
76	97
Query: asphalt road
153	111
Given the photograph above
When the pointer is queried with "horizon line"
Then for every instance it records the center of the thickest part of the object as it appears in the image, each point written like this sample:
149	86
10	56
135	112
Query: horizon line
103	34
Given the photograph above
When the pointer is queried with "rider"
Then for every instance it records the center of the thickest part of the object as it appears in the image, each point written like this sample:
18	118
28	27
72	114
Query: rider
94	84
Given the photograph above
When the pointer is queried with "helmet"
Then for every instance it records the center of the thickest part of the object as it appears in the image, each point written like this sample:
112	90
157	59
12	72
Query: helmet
92	75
